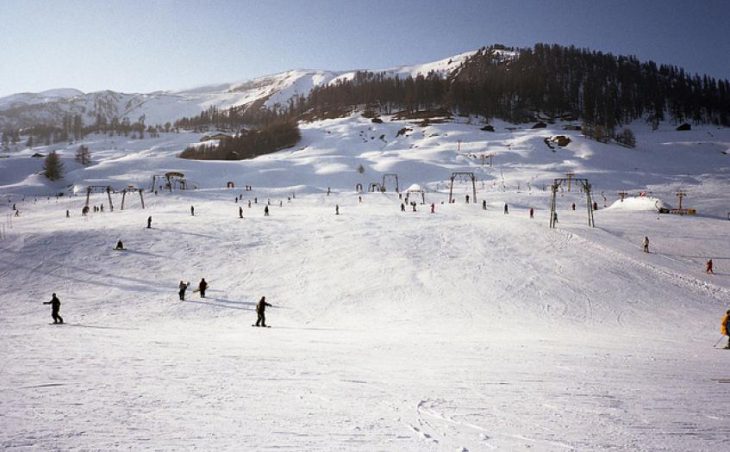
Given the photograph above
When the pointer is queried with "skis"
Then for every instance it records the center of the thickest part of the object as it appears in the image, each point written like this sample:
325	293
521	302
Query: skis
259	326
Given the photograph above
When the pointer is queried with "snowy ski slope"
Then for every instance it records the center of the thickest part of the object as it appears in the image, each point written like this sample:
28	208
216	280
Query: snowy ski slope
464	329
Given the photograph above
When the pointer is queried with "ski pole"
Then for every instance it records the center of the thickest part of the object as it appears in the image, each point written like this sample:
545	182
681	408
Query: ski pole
721	338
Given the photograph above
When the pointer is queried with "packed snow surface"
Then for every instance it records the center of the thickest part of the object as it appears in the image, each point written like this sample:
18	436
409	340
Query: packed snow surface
463	329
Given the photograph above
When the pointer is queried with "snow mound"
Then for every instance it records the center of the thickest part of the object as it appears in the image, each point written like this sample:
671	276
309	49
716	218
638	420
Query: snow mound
639	203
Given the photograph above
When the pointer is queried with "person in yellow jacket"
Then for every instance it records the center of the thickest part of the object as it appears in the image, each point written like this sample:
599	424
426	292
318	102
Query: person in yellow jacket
725	326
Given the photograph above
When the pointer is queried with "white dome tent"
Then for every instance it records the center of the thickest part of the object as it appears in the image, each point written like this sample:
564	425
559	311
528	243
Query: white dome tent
416	190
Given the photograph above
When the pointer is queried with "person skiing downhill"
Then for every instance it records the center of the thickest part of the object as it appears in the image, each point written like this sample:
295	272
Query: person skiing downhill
183	287
724	327
261	312
708	267
55	307
240	212
120	245
202	285
149	222
646	244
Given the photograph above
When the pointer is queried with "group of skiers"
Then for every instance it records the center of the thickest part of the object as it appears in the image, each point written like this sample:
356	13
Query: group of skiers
183	287
260	306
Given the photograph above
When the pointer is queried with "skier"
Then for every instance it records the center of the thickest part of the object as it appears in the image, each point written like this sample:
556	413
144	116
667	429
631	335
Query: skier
573	206
55	307
708	267
68	214
337	209
433	208
266	211
249	203
120	245
240	212
555	217
261	312
646	244
149	222
467	199
484	204
192	211
724	326
183	287
202	285
532	213
506	209
402	207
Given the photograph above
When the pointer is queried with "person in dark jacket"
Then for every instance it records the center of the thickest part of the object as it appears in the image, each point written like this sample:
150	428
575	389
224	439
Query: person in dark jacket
202	285
261	312
55	307
506	209
183	287
266	211
120	245
240	212
149	222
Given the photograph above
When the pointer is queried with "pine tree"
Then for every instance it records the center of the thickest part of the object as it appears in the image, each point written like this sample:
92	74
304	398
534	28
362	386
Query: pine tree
52	166
83	155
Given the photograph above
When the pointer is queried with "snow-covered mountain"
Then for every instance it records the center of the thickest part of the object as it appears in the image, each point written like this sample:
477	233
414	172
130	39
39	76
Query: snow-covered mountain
465	329
26	109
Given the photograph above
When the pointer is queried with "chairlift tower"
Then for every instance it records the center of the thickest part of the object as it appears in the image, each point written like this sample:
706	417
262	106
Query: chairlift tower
680	196
462	175
570	177
586	187
100	189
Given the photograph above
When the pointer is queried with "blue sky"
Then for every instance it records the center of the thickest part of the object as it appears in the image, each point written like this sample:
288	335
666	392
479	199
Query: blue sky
143	46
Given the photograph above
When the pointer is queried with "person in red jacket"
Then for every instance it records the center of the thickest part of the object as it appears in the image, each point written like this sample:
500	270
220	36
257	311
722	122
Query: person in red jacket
261	312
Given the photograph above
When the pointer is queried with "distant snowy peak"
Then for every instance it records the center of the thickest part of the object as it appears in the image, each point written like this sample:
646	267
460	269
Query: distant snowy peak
49	107
442	68
20	99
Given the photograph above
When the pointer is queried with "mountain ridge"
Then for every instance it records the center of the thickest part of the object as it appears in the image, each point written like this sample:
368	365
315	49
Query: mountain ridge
27	109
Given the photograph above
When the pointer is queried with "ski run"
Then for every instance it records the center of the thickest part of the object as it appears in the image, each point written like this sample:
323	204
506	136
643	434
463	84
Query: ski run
466	329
